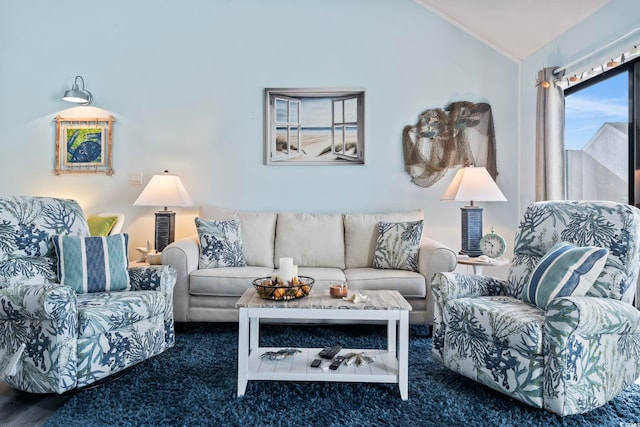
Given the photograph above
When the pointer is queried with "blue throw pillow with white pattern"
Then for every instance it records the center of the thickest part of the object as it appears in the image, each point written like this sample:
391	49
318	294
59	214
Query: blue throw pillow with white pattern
566	270
93	264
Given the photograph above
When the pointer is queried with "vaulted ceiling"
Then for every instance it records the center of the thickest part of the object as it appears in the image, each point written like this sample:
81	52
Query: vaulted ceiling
516	28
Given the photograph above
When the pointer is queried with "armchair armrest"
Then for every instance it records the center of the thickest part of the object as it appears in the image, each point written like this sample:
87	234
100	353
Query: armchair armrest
38	330
183	256
591	348
161	278
450	286
46	301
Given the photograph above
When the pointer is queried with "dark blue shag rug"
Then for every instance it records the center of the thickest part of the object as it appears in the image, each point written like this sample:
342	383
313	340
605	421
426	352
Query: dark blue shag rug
194	384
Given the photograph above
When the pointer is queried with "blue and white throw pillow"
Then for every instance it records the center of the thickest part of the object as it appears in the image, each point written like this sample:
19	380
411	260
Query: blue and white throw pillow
566	270
398	245
93	264
220	243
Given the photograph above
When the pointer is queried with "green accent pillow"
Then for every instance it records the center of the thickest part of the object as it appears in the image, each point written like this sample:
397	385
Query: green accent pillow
93	264
101	225
398	245
566	270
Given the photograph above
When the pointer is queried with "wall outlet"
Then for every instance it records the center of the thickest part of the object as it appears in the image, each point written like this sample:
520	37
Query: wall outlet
135	178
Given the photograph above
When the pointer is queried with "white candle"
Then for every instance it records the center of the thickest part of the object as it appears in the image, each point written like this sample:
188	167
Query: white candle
286	269
295	271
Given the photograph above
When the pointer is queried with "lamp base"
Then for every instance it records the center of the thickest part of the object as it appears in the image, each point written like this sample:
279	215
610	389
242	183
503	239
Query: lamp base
165	229
471	230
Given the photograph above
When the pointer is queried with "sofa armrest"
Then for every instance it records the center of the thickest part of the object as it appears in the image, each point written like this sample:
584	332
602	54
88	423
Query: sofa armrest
591	348
435	257
182	255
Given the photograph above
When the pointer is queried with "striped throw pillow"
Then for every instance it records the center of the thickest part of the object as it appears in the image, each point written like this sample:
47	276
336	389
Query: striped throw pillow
566	270
93	264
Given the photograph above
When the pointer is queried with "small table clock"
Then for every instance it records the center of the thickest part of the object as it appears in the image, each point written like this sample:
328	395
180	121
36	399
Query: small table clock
493	245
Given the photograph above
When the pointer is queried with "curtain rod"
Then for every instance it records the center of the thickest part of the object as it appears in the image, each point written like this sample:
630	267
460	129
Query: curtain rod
618	40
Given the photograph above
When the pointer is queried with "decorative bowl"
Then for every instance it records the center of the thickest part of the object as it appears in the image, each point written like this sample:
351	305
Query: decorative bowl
268	289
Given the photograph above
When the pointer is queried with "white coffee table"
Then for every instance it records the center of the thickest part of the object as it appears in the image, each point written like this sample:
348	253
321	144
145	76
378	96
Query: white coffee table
389	365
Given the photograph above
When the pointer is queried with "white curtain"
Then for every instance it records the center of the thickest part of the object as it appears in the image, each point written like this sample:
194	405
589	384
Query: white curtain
549	138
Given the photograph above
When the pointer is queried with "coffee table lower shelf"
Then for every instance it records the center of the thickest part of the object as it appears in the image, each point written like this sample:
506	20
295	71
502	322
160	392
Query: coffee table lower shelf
383	369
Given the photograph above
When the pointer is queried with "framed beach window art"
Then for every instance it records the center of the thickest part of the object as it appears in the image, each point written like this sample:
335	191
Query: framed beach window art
314	127
83	145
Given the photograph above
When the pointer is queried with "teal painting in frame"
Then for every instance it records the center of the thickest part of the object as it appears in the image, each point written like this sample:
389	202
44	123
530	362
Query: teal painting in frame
83	145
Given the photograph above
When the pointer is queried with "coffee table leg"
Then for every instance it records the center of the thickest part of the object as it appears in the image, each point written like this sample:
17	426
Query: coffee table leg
254	333
391	335
243	350
403	355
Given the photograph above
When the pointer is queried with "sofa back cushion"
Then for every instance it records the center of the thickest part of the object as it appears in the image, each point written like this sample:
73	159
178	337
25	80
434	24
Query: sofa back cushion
312	240
361	234
27	255
257	230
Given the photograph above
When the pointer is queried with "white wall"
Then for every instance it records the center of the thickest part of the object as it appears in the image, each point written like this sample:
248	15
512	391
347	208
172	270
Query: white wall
612	21
185	83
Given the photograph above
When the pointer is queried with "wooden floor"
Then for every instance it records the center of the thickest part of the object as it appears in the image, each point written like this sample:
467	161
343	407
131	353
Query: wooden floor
19	409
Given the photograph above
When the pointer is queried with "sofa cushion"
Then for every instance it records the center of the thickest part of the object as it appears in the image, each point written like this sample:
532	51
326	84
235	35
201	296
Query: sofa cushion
408	283
361	234
225	281
564	271
93	264
258	230
397	245
220	243
312	240
107	311
509	322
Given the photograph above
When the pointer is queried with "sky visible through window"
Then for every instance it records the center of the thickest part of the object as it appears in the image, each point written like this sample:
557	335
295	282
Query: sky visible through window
588	109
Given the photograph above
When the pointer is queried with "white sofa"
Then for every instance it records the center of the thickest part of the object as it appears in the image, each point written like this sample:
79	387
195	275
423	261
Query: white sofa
327	247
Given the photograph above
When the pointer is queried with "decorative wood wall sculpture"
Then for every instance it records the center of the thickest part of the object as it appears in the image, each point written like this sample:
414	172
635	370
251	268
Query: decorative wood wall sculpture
460	135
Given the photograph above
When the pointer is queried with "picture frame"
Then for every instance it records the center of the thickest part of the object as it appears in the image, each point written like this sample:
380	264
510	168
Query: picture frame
314	126
84	145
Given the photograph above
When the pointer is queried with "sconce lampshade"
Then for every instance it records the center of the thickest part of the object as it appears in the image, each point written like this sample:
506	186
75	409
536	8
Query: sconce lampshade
164	190
472	184
77	95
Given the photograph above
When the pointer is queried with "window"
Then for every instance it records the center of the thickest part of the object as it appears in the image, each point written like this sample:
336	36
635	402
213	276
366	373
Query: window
599	150
314	126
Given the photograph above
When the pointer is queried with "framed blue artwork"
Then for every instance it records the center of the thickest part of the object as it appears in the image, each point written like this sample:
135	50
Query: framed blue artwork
83	145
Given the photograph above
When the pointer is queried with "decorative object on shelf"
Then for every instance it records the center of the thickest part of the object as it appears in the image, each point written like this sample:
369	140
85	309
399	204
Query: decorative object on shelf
274	289
314	126
164	190
338	289
144	250
154	258
356	297
358	359
280	354
493	245
443	139
472	183
83	145
77	95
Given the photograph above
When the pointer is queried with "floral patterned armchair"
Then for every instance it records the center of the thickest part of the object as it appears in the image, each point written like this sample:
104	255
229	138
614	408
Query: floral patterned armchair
578	353
54	338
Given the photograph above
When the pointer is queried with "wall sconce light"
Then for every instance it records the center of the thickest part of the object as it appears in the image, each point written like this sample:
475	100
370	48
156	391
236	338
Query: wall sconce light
77	95
164	190
472	183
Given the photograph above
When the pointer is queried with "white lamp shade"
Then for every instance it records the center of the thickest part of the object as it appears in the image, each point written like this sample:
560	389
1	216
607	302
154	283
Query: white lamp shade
473	183
164	190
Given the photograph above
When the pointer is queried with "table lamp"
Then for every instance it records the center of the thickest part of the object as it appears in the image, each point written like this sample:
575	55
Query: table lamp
472	184
164	190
